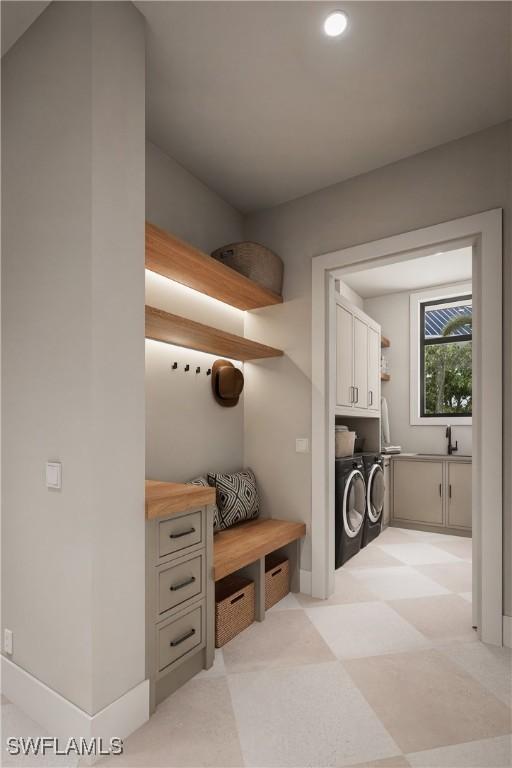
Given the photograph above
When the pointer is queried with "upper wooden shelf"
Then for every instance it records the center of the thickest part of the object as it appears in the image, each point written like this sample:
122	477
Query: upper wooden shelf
163	499
179	261
384	342
173	329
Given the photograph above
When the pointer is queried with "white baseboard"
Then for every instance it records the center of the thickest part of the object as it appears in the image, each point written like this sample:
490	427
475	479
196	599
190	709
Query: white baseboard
507	631
63	719
305	582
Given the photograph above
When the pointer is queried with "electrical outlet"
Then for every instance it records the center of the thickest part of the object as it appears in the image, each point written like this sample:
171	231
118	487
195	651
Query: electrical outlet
302	445
8	641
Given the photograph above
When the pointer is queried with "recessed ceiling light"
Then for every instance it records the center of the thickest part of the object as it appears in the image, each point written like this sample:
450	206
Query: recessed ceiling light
335	24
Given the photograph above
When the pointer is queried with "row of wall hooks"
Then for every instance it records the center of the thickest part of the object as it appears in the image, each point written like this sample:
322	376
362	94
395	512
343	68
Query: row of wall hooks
186	368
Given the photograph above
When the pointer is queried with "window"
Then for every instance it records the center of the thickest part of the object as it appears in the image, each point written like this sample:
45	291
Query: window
441	355
445	357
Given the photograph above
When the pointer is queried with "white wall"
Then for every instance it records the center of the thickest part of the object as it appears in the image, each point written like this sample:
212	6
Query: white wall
456	179
392	311
72	349
187	432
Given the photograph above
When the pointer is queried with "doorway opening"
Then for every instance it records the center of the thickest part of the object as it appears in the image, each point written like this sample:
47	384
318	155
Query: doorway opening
479	236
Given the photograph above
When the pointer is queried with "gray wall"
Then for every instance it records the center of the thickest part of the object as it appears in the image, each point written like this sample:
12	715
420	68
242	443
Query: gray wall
187	432
73	349
392	312
456	179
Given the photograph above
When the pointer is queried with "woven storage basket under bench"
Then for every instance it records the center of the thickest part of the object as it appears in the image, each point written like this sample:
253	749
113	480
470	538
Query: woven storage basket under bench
234	607
277	578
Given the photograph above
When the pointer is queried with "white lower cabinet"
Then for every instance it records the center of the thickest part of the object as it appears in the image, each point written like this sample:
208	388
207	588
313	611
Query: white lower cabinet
459	495
433	493
418	491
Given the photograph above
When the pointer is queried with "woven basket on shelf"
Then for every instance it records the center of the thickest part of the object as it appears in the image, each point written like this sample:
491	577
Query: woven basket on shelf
234	607
255	262
277	579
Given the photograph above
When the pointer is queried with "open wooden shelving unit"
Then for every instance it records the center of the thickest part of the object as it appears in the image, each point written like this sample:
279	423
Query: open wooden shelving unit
189	266
173	329
181	262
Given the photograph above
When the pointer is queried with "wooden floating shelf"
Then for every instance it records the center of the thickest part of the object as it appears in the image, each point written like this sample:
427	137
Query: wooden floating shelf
185	264
173	329
385	377
384	342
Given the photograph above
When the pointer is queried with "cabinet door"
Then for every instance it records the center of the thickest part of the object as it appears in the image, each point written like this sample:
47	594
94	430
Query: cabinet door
344	356
373	369
360	363
417	491
459	495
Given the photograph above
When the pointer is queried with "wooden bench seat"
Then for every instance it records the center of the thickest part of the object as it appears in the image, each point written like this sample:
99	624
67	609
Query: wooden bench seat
241	545
245	546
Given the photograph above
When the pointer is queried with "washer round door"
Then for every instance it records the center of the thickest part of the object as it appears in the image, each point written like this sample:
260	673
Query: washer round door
375	493
354	502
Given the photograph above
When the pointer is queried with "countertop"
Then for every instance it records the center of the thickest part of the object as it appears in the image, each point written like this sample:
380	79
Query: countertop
430	457
164	499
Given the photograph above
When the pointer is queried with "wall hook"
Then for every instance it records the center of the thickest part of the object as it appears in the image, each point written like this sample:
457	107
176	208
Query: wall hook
174	366
187	367
209	372
198	369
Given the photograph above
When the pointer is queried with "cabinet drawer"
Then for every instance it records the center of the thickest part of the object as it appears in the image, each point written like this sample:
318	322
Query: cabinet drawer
180	582
178	533
180	636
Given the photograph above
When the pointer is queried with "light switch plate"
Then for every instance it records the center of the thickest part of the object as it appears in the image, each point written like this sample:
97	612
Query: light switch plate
302	445
53	474
8	641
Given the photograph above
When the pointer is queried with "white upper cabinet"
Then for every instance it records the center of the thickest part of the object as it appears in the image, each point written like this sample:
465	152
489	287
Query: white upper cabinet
357	361
344	357
373	369
360	363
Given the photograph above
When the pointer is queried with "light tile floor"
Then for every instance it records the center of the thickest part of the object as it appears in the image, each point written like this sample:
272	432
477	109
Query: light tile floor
386	673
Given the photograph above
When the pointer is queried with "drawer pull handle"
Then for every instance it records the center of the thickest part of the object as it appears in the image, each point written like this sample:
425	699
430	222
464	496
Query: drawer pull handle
182	639
183	533
237	598
181	584
276	572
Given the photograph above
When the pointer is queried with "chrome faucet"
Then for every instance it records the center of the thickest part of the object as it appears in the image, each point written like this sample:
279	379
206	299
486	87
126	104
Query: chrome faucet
451	448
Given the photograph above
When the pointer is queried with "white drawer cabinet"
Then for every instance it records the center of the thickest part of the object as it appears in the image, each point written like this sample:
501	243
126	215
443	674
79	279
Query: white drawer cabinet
434	493
357	362
180	605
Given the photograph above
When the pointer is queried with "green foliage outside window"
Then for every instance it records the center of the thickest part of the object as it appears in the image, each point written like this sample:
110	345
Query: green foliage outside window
448	378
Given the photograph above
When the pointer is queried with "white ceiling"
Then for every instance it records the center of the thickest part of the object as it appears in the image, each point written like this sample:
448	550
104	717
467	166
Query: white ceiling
412	275
17	17
254	100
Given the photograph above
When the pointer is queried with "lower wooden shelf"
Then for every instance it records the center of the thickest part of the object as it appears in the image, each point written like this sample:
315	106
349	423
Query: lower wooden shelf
385	377
173	329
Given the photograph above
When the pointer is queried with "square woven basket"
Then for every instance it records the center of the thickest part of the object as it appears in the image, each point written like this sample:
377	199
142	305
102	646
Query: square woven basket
234	607
277	579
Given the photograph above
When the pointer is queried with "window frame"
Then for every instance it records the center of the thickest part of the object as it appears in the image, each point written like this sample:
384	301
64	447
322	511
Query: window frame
433	342
431	296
